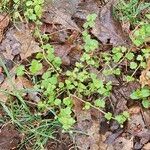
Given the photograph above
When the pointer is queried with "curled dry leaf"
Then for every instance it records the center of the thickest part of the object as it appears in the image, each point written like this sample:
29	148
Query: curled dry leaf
145	75
4	21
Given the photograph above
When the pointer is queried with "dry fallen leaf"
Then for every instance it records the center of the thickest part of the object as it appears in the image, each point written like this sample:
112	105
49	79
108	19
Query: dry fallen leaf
4	21
9	137
28	44
146	147
122	144
60	12
87	122
107	29
145	75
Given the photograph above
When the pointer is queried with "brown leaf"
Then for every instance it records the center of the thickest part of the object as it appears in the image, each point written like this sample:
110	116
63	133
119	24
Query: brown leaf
107	29
87	122
68	53
122	144
136	124
28	44
146	146
145	75
4	21
9	138
60	12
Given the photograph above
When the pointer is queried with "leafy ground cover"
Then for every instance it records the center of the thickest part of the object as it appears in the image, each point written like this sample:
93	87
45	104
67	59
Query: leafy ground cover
74	74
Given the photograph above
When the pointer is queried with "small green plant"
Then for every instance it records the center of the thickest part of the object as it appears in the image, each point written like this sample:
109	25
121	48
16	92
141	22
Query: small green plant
35	67
141	34
130	10
57	94
30	9
20	70
33	9
142	94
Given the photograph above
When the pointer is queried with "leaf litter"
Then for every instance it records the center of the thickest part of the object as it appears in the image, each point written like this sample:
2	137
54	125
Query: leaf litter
70	15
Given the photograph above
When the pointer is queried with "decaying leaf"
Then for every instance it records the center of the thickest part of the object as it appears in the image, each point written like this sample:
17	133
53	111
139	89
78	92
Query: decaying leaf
107	29
88	124
60	12
9	138
146	146
28	44
122	144
145	75
19	41
4	21
136	124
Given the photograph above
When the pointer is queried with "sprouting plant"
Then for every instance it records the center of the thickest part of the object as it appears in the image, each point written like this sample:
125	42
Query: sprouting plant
55	61
65	118
142	94
130	10
35	66
141	34
20	70
33	9
56	93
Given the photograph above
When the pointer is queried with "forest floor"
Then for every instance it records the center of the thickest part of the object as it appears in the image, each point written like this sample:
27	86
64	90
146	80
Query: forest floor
75	75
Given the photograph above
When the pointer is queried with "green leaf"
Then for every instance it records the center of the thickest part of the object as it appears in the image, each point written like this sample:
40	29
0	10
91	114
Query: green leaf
133	65
46	75
61	84
137	42
35	66
139	58
120	119
145	92
135	94
129	78
68	101
20	70
148	16
57	102
108	116
117	56
57	62
146	103
117	71
39	56
64	117
38	10
99	103
129	56
126	114
87	106
29	3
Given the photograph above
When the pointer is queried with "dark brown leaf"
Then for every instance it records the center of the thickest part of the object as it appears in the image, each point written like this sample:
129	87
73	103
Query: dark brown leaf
107	29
